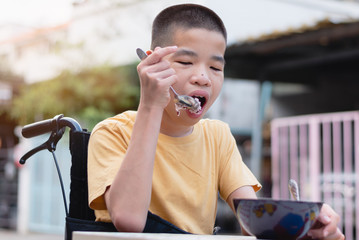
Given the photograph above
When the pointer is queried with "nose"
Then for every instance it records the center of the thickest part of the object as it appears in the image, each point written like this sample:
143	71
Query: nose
201	78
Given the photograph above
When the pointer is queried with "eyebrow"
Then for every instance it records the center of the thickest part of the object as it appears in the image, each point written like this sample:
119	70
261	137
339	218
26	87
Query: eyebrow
185	52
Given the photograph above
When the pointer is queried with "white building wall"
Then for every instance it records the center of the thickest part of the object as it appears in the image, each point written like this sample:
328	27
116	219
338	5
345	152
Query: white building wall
98	32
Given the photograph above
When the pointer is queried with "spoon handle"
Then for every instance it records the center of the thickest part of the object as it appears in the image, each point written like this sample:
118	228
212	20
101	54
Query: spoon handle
293	189
174	92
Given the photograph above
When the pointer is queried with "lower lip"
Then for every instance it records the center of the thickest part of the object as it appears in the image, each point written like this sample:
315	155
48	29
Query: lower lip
194	115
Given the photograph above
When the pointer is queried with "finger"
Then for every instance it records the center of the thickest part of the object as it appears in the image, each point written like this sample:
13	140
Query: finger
160	53
163	79
158	67
336	235
144	68
164	74
157	72
157	94
328	216
157	76
326	225
324	228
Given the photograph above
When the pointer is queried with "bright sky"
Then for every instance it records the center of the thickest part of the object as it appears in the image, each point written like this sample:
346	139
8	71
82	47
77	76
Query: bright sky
248	17
243	19
34	12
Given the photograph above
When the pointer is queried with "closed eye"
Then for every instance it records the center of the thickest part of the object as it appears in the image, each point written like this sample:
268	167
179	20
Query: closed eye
216	69
184	63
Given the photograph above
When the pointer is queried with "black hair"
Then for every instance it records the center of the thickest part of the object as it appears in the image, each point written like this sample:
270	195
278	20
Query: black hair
184	16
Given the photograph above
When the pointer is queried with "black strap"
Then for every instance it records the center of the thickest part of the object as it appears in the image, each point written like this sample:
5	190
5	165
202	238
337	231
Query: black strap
154	224
75	224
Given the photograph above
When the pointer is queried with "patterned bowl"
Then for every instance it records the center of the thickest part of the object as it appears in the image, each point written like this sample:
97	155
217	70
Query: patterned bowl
276	219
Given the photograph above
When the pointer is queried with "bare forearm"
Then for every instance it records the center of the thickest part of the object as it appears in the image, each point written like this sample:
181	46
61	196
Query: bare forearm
242	192
130	194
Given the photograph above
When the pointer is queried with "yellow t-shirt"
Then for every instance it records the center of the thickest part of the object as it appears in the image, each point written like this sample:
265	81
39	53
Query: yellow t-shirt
188	171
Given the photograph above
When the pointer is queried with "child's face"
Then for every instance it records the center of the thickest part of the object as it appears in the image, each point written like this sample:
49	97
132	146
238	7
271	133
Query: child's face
199	65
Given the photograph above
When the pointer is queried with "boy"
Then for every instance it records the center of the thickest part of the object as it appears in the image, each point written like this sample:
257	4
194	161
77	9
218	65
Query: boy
154	160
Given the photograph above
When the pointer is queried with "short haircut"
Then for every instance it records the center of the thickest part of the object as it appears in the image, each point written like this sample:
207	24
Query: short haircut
185	16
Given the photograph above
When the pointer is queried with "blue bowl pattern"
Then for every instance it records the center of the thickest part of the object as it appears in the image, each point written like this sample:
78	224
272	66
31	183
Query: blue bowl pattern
276	219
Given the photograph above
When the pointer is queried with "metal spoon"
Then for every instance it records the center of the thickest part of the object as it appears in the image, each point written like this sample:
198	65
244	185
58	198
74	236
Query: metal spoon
293	189
184	100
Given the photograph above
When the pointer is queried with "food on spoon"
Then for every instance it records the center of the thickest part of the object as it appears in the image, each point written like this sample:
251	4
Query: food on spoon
195	103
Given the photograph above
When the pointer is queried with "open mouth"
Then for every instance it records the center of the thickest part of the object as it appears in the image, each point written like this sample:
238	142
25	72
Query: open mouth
201	102
193	104
201	99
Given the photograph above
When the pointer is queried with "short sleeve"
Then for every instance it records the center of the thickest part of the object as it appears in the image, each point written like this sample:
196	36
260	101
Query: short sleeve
106	150
233	171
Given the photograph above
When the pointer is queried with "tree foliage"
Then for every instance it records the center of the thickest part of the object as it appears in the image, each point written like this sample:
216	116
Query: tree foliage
88	96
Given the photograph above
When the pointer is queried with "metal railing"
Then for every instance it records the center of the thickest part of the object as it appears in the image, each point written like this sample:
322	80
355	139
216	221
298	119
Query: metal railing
321	152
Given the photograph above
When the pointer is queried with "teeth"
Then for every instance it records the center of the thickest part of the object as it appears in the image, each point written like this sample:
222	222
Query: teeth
197	102
198	108
200	98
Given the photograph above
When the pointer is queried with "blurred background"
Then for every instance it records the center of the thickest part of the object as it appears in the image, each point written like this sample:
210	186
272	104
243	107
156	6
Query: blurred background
290	94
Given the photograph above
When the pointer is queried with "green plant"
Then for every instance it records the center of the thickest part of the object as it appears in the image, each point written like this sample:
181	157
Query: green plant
90	95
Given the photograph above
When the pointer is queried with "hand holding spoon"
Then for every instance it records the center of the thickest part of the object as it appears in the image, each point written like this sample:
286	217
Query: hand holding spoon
182	101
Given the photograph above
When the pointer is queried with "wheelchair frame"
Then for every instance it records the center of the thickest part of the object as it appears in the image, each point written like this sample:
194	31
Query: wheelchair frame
79	216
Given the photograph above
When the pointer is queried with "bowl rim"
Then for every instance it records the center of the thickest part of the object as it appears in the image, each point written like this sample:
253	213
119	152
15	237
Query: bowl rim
237	200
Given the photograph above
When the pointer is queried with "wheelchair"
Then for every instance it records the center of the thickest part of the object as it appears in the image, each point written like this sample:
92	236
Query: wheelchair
79	217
